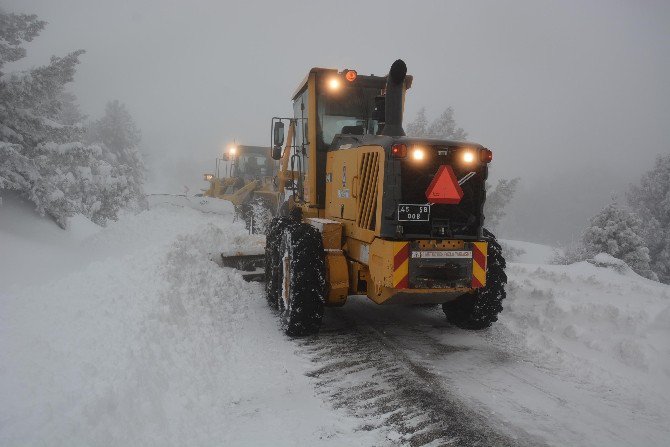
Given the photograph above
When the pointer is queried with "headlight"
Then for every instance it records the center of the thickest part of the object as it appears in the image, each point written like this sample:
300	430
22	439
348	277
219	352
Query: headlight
334	84
208	177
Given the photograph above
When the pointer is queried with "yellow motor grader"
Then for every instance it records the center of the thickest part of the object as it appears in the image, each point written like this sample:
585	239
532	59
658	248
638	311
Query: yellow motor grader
366	210
245	176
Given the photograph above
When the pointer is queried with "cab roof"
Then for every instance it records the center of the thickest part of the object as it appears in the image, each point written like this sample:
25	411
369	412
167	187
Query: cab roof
371	79
256	150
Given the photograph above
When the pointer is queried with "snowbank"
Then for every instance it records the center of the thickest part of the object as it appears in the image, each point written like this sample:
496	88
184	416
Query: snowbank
148	342
529	252
602	334
32	247
131	335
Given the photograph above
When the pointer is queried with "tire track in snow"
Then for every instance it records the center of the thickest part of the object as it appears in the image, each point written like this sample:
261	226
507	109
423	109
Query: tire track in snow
363	371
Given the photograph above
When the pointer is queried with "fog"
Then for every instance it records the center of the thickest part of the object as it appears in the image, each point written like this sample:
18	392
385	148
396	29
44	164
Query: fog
573	97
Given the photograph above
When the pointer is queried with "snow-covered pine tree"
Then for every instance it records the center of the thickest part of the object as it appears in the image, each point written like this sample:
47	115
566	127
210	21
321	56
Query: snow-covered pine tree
119	136
618	232
43	155
497	199
444	127
29	133
651	200
418	127
15	29
70	113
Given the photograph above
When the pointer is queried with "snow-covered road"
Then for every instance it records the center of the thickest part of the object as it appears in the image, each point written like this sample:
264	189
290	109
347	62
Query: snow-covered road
142	340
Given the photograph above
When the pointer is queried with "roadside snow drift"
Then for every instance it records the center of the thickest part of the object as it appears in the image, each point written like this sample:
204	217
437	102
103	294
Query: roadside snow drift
592	348
151	343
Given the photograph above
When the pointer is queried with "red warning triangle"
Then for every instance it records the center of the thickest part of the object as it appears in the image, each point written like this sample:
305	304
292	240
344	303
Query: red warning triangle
444	188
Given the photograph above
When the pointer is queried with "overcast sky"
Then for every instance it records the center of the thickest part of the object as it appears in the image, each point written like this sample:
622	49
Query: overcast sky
572	96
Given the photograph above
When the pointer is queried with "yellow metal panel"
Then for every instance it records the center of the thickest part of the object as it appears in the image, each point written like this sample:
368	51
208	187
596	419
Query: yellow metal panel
355	224
341	203
310	179
329	184
331	232
337	278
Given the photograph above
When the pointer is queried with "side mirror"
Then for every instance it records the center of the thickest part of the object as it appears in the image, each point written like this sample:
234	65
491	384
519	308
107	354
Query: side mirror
278	134
276	152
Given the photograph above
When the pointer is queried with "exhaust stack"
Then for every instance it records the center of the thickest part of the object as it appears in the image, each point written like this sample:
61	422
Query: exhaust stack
395	87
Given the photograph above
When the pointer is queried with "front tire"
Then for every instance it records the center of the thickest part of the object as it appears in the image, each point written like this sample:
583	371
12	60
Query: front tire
302	284
480	310
273	259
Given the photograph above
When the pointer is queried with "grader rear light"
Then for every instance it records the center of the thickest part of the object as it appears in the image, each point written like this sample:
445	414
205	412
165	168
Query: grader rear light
468	156
399	150
485	156
418	154
350	75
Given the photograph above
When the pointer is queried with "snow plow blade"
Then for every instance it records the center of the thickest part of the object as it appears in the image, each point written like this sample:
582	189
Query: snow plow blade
251	267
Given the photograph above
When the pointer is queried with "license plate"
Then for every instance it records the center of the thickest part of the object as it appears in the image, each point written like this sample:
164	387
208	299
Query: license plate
443	254
413	213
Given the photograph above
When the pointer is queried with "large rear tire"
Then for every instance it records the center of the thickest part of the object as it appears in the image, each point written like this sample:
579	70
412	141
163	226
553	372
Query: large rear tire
480	310
302	284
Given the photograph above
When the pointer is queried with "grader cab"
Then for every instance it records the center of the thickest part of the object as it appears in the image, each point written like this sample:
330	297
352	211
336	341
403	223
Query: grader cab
245	176
366	210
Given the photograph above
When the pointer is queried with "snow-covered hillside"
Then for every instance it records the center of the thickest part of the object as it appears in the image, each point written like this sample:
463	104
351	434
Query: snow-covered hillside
131	335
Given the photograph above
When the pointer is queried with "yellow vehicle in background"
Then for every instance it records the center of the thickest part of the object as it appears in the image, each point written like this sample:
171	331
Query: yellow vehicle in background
245	176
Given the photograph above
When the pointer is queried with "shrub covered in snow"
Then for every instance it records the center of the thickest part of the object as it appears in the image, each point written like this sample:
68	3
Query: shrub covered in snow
613	232
618	233
569	255
510	252
651	200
